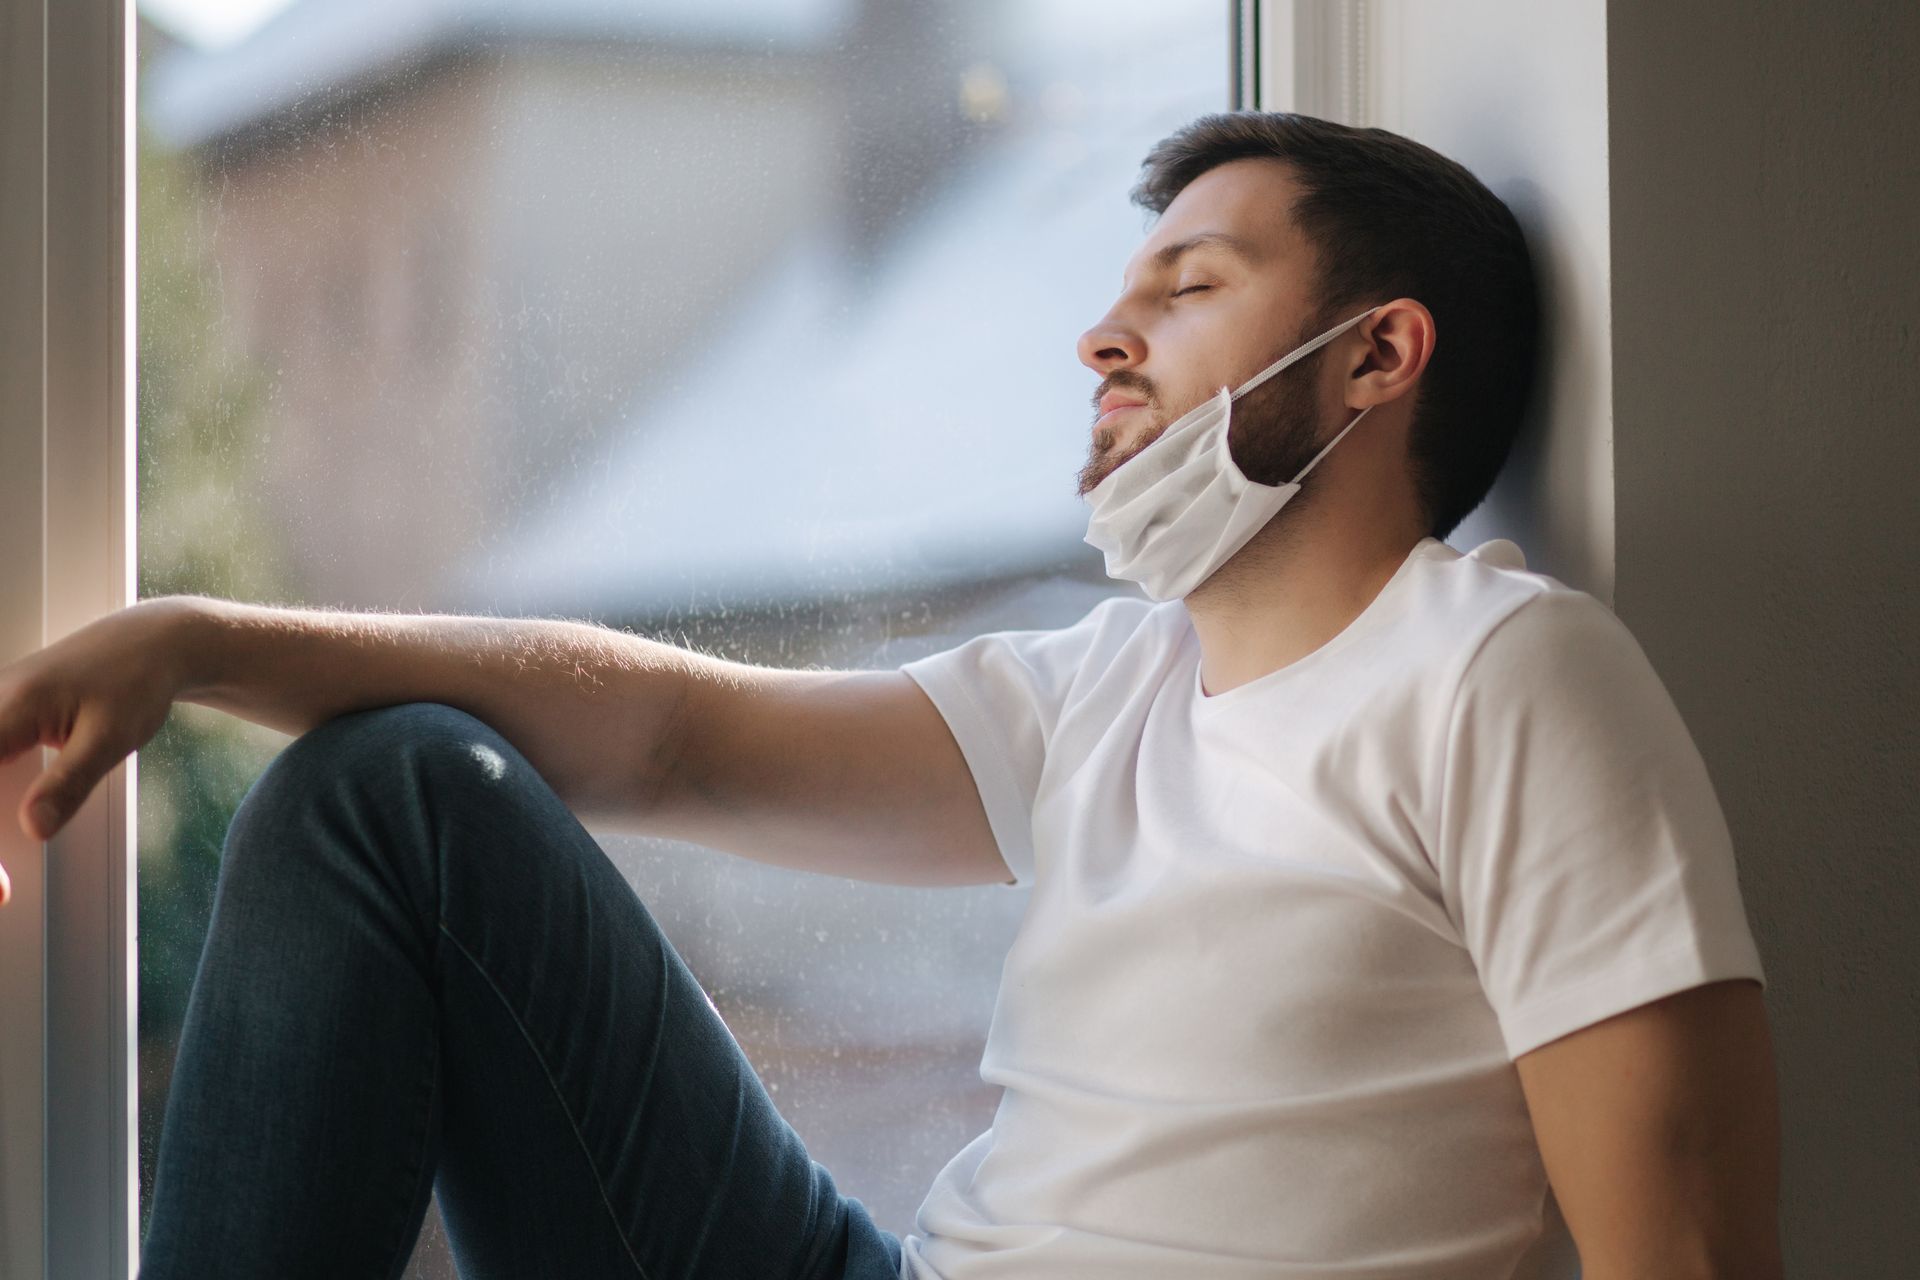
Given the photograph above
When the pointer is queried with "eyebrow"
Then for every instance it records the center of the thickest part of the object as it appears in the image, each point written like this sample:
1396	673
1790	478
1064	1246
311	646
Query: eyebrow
1172	253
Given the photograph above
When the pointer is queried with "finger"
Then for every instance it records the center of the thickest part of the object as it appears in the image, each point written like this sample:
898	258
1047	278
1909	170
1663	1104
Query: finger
6	886
52	797
19	729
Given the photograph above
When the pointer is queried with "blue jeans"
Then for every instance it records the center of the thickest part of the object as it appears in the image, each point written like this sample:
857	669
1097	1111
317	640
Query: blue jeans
423	974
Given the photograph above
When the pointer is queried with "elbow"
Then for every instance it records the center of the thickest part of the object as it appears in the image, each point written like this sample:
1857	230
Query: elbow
665	751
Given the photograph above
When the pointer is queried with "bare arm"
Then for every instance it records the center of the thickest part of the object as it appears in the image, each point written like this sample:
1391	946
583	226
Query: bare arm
592	709
1660	1132
850	773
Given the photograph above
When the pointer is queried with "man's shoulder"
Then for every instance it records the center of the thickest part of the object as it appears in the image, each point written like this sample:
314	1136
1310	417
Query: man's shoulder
1484	617
1490	581
1562	651
1490	586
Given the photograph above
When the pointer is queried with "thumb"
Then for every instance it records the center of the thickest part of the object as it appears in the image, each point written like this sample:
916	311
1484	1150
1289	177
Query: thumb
61	788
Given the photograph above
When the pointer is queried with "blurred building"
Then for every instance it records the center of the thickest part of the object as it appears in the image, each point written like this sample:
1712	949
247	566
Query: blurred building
462	234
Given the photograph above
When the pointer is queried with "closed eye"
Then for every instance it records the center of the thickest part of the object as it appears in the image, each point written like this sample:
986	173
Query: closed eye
1192	288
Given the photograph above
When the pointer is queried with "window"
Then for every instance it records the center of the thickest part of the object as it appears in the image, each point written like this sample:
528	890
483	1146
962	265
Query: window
746	325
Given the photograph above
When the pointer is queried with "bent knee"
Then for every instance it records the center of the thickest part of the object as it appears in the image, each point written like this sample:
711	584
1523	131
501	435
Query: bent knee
357	731
372	751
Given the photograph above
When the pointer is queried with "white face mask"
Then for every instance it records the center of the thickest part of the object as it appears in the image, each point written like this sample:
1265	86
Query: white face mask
1167	517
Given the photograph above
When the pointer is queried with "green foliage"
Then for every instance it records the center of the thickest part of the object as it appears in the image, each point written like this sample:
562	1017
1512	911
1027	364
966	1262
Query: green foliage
193	775
201	530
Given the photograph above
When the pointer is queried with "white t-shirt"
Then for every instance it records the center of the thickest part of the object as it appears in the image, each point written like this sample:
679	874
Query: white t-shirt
1284	942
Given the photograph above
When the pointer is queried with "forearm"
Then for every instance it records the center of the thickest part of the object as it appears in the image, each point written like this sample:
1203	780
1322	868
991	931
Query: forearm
592	709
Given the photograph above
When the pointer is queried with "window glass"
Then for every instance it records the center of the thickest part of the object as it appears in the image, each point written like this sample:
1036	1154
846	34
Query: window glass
745	325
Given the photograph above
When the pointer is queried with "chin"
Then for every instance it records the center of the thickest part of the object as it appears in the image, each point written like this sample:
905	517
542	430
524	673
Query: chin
1098	468
1092	474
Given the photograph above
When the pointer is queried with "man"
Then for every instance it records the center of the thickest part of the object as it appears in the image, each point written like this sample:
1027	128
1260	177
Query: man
1376	888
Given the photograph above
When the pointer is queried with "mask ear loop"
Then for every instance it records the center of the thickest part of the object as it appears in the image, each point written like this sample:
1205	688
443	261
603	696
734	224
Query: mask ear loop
1301	353
1329	444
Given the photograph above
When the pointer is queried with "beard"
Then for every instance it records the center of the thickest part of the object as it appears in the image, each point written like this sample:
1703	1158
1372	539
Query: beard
1275	428
1272	431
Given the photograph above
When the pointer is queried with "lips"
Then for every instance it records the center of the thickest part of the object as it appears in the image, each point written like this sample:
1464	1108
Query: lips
1113	404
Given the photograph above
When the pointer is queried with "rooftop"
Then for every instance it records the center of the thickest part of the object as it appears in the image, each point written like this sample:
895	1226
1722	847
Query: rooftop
320	47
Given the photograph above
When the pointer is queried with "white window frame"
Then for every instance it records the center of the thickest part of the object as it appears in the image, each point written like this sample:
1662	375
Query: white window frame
1308	56
69	1119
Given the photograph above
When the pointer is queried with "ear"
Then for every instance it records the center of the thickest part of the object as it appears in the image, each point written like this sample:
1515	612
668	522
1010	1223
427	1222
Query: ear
1395	344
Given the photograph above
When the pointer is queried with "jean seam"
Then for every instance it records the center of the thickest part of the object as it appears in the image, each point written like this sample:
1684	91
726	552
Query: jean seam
580	1139
403	1248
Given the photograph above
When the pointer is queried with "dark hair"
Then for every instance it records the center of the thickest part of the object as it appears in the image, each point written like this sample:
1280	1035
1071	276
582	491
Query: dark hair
1391	218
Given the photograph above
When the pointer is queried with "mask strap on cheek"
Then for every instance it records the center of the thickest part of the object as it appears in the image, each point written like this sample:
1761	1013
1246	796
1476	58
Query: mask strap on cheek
1302	352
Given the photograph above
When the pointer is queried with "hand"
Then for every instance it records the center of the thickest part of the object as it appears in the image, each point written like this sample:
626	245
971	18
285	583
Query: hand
98	695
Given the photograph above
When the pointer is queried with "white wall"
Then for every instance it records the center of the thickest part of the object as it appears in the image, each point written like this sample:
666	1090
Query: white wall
1517	92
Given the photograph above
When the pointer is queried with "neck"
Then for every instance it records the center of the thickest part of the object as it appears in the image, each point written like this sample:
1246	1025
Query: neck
1299	583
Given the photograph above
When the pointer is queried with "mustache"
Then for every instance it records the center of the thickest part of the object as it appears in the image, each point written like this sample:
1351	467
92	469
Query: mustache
1125	380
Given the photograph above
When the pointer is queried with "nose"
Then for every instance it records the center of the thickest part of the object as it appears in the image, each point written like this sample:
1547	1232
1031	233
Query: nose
1111	345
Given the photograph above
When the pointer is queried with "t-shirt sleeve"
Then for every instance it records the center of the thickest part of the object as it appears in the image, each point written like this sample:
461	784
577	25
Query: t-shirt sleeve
1002	694
1582	852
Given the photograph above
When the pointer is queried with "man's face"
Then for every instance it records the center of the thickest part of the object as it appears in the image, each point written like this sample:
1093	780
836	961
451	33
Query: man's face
1219	290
